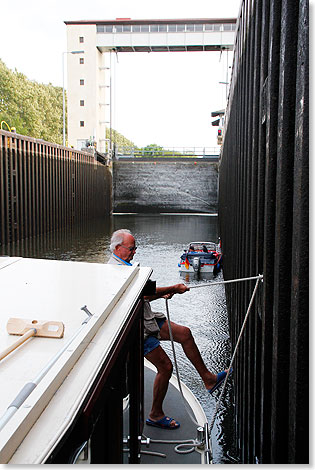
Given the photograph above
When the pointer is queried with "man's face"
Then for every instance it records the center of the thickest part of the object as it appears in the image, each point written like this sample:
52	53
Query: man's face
127	248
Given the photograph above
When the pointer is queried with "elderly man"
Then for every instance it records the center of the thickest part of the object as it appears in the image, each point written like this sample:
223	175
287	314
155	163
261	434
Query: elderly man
123	248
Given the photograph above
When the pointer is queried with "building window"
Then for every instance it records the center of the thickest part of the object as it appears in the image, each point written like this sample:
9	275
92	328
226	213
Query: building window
99	28
144	28
81	102
172	28
127	28
136	28
81	39
162	28
119	28
154	28
198	27
81	123
81	81
81	60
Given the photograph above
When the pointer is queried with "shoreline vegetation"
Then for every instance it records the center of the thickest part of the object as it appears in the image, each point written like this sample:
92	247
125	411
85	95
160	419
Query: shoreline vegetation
36	110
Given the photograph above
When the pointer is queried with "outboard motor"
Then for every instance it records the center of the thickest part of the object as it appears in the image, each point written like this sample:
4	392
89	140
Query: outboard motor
196	264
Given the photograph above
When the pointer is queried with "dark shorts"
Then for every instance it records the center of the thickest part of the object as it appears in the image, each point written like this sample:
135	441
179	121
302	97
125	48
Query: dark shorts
152	342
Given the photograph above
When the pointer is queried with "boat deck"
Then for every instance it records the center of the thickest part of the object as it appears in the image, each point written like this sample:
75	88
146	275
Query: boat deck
175	408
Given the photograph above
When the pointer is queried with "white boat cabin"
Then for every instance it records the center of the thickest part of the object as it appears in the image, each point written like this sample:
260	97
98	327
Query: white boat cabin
80	378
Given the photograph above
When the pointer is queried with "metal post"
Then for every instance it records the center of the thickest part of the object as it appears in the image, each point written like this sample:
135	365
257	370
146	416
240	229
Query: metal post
63	101
110	104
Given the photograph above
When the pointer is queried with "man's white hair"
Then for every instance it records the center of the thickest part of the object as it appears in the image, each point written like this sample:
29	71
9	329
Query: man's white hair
118	238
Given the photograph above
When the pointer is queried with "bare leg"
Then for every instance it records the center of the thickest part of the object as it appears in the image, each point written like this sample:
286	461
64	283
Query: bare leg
182	335
162	362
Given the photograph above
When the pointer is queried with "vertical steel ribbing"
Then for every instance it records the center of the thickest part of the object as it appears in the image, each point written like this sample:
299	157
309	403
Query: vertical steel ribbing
263	220
299	365
283	228
44	187
254	322
3	205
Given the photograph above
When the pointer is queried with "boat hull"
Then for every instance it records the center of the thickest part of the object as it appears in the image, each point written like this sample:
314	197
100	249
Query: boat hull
207	268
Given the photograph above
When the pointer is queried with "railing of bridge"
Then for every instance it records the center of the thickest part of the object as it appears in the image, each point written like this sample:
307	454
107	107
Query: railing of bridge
125	151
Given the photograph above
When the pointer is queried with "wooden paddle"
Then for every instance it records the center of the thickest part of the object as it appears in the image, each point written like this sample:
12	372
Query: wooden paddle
28	328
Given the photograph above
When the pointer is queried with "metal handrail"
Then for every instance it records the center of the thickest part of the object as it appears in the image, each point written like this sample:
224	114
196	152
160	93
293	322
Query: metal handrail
167	152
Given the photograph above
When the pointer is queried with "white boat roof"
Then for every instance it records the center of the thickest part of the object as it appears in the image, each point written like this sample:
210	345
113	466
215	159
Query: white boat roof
57	290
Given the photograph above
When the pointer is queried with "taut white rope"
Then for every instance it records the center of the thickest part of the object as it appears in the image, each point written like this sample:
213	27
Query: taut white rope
208	284
192	443
234	353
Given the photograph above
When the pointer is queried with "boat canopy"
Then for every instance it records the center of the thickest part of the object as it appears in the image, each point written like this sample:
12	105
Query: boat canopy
200	246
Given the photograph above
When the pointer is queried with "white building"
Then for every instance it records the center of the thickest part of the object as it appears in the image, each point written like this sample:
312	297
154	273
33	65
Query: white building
89	74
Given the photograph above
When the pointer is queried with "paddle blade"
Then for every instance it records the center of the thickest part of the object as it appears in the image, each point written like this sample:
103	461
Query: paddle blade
44	328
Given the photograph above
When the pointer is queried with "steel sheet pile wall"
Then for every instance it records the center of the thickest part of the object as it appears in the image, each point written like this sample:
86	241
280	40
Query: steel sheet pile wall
44	187
263	212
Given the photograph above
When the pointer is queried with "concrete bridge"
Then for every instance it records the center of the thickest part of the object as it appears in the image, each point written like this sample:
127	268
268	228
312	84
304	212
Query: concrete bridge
90	70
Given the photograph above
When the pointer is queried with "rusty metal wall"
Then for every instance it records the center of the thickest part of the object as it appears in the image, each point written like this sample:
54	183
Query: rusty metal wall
263	217
44	187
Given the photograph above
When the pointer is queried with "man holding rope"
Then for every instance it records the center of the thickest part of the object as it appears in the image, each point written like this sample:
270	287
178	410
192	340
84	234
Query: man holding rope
156	328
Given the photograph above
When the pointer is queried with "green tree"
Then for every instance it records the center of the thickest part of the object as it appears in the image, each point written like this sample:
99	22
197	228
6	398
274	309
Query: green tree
34	109
119	139
152	149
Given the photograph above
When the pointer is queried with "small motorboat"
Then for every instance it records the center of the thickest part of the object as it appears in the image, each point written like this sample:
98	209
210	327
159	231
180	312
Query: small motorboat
201	257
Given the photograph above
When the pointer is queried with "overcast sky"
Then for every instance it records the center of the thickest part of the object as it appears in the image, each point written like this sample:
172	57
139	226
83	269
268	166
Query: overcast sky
161	98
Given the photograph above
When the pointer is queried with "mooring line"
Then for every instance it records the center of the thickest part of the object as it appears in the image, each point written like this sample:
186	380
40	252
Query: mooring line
258	279
208	284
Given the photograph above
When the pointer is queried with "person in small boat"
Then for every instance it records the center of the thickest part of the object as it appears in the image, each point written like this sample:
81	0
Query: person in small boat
123	248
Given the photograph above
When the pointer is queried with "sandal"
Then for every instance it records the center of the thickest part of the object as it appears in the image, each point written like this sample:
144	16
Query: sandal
164	423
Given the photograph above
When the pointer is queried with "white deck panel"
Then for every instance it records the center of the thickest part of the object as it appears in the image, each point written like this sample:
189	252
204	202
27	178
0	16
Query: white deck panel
56	290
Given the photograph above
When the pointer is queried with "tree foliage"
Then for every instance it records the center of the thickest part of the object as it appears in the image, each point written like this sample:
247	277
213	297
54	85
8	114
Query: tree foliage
34	109
119	139
152	149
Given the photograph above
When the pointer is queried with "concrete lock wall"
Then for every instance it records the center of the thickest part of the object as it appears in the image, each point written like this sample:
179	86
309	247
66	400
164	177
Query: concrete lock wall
159	185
